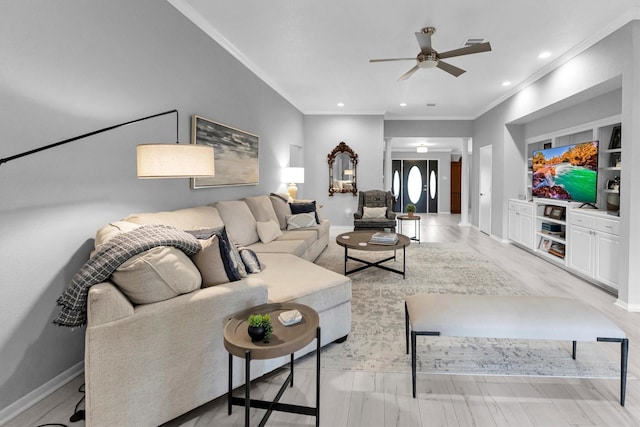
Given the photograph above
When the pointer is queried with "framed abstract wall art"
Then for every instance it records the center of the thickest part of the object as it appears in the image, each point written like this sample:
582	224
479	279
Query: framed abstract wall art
235	153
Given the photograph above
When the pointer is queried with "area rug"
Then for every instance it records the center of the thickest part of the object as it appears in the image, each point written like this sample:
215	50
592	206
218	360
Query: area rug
377	340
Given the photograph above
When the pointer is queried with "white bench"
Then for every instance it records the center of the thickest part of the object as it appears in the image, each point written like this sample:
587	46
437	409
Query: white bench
513	317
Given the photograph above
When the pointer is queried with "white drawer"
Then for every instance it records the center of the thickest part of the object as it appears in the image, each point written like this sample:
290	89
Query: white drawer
610	226
583	220
525	209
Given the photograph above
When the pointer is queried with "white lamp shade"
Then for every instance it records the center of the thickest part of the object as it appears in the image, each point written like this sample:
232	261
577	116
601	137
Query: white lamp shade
293	175
348	171
175	160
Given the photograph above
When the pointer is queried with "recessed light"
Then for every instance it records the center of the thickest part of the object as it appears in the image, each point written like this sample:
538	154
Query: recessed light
544	55
340	104
403	104
507	83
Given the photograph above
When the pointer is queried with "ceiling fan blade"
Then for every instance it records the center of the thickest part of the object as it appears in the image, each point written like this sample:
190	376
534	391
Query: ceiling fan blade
424	40
451	69
476	48
391	59
409	73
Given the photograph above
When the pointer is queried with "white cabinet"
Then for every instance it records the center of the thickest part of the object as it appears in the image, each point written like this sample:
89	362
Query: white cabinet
521	223
594	247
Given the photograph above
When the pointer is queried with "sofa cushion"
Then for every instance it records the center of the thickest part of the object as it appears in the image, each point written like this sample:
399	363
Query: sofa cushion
156	275
239	221
293	247
185	219
372	213
321	288
268	231
262	208
113	229
308	236
301	220
280	203
298	208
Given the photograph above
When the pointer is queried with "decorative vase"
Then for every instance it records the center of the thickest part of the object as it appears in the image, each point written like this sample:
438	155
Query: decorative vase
257	333
410	214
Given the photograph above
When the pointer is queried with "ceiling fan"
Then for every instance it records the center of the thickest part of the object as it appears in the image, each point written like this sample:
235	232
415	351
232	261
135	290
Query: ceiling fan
429	58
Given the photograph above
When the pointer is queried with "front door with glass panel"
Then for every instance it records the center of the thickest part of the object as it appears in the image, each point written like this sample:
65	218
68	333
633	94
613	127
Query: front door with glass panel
420	179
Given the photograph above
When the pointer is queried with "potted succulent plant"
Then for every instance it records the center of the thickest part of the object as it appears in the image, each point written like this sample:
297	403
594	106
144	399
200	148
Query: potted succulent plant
260	327
411	209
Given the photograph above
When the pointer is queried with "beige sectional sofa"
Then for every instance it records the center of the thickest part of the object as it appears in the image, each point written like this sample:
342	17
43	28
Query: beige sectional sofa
148	363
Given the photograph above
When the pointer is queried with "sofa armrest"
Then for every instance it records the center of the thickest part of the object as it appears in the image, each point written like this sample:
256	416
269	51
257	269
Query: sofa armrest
357	215
391	214
107	303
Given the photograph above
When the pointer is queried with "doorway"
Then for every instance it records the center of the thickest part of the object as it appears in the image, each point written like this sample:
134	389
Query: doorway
419	184
484	220
456	187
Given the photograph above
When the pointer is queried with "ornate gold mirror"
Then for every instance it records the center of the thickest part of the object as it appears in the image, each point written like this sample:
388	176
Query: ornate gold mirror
343	164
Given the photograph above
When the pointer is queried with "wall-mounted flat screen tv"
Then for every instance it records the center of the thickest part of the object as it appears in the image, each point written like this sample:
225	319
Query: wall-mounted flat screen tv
569	172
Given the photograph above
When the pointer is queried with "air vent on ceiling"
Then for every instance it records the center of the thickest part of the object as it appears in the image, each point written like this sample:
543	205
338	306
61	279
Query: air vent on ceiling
472	41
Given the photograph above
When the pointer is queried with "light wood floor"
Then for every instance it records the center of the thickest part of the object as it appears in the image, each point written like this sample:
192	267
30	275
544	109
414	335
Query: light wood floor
372	399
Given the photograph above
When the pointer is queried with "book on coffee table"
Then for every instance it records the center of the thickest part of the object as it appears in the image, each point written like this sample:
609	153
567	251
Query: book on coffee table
382	238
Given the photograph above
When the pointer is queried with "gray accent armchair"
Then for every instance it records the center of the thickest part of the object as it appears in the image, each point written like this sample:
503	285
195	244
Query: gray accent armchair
375	199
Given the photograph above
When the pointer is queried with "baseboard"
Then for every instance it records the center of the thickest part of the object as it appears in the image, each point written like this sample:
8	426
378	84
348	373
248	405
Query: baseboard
25	402
634	308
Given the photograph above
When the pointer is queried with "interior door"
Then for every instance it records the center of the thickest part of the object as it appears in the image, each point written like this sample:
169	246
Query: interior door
415	180
456	187
484	220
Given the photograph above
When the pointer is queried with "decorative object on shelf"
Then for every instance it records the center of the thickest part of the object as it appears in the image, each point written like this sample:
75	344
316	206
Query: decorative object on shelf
411	209
557	212
154	160
613	204
293	176
545	244
546	146
615	160
236	153
342	160
260	327
557	249
613	184
616	138
547	210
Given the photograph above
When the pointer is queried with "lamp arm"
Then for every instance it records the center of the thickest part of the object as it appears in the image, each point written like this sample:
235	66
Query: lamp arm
66	141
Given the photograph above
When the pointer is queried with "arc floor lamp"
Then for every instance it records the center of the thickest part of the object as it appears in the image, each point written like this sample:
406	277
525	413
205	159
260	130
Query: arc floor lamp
169	160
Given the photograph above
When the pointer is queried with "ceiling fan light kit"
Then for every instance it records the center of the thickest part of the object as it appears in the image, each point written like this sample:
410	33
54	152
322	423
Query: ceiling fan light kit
430	58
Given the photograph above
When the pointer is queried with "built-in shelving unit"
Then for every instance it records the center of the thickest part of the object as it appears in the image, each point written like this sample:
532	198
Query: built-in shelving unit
551	229
608	133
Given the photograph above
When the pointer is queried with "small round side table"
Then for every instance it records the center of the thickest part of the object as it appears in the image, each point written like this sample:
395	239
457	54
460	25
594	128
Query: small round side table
284	340
416	225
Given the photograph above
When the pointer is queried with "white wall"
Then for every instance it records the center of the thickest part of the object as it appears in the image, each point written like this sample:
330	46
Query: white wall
364	134
73	67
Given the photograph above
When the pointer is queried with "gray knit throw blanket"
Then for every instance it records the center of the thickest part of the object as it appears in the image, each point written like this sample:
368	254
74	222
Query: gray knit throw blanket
108	258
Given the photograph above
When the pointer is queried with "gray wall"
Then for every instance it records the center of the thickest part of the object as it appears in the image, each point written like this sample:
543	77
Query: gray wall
73	67
364	134
615	58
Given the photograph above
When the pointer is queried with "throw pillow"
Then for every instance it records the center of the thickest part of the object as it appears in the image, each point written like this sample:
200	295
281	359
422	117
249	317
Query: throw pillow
268	231
156	275
230	257
209	262
281	206
302	220
298	208
373	213
251	261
